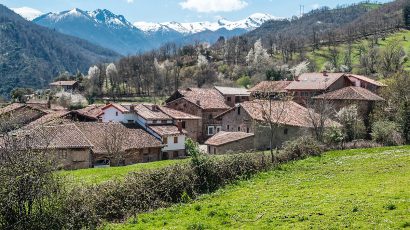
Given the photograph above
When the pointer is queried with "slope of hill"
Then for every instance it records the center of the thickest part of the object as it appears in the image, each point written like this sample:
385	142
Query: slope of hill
350	189
31	55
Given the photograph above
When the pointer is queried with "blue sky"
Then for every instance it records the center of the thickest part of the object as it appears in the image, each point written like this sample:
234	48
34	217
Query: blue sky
181	10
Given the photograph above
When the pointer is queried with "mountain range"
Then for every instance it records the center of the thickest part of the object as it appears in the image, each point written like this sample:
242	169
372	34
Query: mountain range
104	28
32	55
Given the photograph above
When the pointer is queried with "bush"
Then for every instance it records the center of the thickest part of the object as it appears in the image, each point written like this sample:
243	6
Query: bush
386	133
301	147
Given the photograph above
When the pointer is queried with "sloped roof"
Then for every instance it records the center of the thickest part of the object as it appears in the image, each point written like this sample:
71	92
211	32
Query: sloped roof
98	133
314	81
232	91
207	98
222	138
63	83
351	93
150	112
178	115
46	119
166	130
283	112
271	86
66	136
91	111
366	79
10	108
119	107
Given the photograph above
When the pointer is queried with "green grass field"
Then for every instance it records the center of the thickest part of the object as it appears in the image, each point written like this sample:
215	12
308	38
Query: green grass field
351	189
99	175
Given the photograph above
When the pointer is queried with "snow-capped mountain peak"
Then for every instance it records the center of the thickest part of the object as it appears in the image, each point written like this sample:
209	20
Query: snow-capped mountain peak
250	23
27	12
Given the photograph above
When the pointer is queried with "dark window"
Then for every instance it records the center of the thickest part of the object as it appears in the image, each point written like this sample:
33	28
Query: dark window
214	150
285	131
239	129
247	129
175	140
239	110
116	114
165	140
229	98
227	128
183	124
130	121
210	116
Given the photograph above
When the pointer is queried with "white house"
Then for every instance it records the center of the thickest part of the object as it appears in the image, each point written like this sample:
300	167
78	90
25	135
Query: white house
154	121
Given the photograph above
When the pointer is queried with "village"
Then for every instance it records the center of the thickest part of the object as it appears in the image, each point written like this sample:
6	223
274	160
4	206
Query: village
223	120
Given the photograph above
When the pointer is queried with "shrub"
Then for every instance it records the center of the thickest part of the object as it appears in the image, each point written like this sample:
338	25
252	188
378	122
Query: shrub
334	136
386	133
353	126
301	147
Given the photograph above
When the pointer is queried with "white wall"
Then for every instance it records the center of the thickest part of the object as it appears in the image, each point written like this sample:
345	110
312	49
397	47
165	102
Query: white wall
110	115
171	146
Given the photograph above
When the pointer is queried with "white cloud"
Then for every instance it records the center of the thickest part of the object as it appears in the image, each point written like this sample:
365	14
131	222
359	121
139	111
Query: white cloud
315	6
130	1
27	12
208	6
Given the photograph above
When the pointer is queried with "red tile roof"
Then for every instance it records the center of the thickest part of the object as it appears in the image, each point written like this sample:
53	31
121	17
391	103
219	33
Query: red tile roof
283	112
178	115
91	111
366	79
207	98
150	112
66	136
46	119
223	138
11	107
350	93
166	130
121	108
271	86
97	133
314	81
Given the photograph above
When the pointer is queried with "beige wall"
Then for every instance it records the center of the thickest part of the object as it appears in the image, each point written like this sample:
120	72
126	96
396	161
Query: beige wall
73	158
281	135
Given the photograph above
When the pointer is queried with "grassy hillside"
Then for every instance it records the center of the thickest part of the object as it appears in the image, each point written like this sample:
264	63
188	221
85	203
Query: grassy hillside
342	189
99	175
319	57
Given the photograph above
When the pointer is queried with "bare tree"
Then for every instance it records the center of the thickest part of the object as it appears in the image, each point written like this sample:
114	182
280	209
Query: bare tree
115	137
320	113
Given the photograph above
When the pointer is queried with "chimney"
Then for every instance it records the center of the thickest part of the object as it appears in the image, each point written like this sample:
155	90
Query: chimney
179	125
132	108
154	108
325	73
198	102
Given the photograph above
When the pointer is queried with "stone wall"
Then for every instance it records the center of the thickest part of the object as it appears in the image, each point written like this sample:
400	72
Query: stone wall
233	147
281	135
234	121
73	158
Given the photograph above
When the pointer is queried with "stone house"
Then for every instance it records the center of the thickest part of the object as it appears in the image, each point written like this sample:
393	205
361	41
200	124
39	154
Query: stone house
309	85
65	85
230	142
64	143
233	95
291	121
87	114
133	145
204	103
16	115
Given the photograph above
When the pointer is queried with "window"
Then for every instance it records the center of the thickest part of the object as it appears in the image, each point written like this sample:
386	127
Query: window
165	140
116	114
239	110
218	129
154	121
210	117
227	128
130	121
183	124
215	150
175	140
285	131
211	130
239	129
63	154
247	129
229	98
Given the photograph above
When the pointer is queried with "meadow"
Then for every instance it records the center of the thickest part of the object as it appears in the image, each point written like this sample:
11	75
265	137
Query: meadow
365	188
